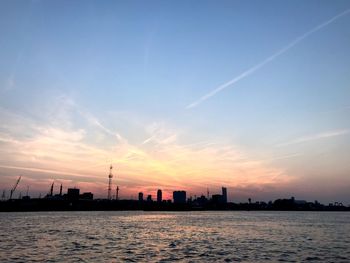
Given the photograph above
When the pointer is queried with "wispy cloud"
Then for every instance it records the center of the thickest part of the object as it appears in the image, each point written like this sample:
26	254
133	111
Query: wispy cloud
10	83
160	134
336	110
70	152
46	171
95	122
314	137
266	61
283	157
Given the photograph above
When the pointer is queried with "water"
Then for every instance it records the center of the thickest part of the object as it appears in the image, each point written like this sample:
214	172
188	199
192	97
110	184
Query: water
174	236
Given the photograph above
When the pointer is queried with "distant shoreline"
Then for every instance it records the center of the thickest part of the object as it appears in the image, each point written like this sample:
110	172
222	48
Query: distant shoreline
184	211
51	205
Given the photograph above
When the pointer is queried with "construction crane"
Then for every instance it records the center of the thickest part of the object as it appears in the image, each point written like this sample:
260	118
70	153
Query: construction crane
14	187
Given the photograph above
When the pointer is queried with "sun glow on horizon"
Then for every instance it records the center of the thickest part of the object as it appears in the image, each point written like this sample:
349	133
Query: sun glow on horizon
84	85
161	162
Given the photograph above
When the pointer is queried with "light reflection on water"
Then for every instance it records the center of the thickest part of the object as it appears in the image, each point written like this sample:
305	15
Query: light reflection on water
170	236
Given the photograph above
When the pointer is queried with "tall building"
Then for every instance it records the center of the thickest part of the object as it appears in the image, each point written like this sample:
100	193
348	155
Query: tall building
140	197
149	198
159	196
217	199
73	193
87	196
224	195
179	197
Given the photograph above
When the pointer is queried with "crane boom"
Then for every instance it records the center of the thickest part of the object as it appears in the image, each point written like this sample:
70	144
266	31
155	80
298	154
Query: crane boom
14	187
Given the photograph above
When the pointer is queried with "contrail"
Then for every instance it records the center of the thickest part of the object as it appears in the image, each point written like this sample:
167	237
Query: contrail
267	60
316	137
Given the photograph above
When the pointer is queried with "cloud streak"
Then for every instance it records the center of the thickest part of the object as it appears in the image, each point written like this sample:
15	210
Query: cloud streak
94	121
314	137
63	153
267	60
46	171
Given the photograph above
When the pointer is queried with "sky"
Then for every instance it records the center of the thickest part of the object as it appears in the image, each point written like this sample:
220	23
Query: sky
177	95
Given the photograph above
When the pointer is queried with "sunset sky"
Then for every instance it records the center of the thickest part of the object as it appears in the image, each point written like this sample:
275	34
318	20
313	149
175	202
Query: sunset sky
190	95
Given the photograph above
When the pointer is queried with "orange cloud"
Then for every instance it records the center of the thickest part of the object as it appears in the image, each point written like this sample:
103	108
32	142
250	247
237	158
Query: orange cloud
83	155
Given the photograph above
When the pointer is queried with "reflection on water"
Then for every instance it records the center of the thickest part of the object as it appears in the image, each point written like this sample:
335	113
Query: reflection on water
171	236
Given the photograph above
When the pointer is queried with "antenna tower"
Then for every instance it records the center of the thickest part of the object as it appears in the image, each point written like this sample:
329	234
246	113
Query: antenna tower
117	193
110	176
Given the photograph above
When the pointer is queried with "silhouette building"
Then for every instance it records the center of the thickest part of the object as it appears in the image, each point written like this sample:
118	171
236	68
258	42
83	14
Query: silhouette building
73	193
87	196
149	198
140	197
224	195
159	196
216	199
179	197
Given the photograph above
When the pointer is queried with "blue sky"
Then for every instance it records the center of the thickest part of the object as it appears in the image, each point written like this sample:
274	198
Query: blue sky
116	77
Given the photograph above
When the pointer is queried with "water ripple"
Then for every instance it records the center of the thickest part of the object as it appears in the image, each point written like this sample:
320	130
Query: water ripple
171	236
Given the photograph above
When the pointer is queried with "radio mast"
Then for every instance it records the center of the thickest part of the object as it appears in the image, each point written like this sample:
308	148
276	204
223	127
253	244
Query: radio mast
117	193
110	176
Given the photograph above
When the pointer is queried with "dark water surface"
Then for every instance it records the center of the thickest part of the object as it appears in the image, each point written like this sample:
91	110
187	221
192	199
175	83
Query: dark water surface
175	236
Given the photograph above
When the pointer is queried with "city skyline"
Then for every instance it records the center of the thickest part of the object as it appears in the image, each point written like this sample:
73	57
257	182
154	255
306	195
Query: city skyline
251	96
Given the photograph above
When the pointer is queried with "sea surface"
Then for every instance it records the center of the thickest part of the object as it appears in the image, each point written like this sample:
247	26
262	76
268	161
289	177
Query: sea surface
175	236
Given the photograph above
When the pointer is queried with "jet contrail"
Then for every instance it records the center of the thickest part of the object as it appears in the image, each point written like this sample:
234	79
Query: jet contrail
316	137
267	60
